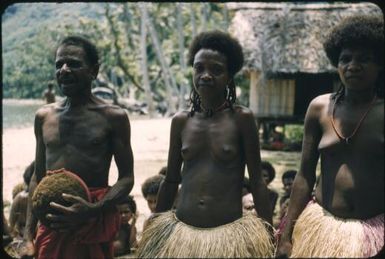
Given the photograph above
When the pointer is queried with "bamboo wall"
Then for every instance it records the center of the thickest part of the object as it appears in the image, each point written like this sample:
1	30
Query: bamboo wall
271	98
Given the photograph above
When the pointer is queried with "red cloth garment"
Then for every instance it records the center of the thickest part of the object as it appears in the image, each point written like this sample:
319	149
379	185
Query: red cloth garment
93	240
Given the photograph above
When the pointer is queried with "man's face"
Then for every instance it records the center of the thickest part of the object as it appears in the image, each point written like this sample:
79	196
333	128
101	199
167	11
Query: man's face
73	73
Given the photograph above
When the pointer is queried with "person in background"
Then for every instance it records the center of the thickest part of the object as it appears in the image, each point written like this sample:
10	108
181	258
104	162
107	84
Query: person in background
150	189
125	240
49	94
287	182
268	174
214	142
345	130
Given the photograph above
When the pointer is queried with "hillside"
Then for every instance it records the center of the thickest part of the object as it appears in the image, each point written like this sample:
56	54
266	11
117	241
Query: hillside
21	21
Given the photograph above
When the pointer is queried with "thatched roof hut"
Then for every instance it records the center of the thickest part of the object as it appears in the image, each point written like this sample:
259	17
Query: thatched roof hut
284	56
287	37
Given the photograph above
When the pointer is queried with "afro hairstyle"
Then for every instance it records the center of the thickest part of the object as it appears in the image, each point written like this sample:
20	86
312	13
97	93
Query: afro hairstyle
356	31
221	42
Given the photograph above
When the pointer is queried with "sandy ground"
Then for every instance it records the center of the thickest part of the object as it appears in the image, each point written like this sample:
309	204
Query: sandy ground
150	140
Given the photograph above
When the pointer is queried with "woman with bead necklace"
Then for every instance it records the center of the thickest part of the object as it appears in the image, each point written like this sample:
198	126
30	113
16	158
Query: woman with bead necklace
346	131
214	142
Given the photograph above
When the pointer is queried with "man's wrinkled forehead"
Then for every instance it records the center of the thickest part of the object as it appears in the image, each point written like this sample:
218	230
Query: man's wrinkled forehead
71	50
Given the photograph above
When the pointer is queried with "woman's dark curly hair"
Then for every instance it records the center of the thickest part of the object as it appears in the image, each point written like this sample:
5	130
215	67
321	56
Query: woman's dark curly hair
361	31
228	46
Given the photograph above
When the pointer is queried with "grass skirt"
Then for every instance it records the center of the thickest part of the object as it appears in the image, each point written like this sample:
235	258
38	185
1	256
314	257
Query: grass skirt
168	237
317	233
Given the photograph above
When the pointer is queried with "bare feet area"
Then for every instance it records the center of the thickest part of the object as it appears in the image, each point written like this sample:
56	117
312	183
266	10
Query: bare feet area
150	140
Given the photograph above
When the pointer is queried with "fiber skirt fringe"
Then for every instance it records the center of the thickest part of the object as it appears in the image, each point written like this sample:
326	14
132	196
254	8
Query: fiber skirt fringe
168	237
317	233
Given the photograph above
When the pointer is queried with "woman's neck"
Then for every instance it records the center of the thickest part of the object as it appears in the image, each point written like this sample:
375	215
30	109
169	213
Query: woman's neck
358	97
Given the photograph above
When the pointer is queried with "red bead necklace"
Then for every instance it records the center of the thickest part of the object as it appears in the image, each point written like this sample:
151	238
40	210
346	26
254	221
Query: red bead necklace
347	139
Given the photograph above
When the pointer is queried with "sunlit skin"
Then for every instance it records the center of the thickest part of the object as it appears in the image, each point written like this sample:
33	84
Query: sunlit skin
351	184
81	134
214	152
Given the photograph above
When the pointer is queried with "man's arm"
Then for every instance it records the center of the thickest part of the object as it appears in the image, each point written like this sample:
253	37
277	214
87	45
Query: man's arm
305	178
253	161
124	160
39	172
169	187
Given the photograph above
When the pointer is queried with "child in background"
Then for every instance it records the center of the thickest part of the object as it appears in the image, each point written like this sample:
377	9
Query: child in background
268	174
287	181
17	216
150	189
125	240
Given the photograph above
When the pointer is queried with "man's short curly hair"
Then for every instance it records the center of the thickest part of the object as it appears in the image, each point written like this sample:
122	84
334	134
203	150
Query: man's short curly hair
151	185
356	31
89	48
221	42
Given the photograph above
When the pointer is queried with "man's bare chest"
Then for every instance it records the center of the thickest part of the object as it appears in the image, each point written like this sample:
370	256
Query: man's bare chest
85	130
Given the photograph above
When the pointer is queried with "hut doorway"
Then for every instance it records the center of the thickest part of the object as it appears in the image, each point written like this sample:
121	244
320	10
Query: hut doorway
307	87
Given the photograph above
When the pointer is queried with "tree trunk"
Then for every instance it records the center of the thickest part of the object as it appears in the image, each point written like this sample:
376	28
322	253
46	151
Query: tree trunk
183	86
118	55
143	51
193	22
167	77
204	17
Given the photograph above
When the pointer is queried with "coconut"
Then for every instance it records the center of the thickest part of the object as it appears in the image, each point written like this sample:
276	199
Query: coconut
51	188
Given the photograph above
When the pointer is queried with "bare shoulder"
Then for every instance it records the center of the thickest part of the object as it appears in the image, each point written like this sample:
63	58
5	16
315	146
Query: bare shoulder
180	119
46	110
320	101
180	116
243	113
114	114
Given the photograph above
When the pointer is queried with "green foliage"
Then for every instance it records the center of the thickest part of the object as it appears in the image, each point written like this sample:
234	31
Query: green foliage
294	133
31	33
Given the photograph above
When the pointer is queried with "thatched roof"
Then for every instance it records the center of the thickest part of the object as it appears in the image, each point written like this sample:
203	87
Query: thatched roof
287	37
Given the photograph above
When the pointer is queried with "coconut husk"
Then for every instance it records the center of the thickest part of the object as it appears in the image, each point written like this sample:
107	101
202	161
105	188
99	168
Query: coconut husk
168	237
317	233
51	188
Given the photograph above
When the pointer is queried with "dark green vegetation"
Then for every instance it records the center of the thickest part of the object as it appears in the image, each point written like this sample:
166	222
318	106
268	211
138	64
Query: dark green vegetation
31	31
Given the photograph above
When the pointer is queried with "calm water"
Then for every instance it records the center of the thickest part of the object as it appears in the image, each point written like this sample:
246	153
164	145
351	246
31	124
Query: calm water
19	113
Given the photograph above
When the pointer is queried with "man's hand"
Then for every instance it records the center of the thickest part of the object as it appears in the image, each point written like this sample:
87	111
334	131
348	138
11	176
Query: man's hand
27	250
73	216
284	249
